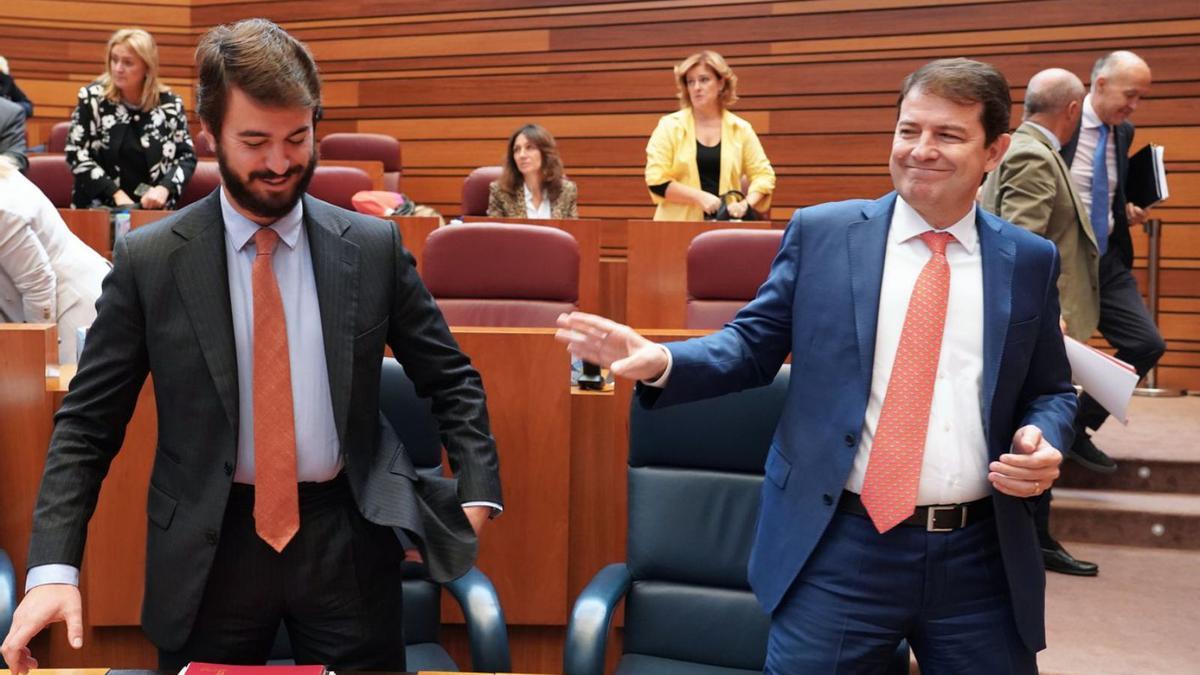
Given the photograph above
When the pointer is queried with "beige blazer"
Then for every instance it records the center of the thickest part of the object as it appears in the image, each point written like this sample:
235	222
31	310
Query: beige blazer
1032	189
502	204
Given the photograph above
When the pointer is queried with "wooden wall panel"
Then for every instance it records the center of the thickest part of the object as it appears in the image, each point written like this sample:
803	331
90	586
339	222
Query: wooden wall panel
817	78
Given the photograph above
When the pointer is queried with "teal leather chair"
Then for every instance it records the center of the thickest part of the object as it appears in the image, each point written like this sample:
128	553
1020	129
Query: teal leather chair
695	474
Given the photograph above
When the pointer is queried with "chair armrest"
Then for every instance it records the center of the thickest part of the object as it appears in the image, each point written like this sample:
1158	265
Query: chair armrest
8	595
486	630
591	617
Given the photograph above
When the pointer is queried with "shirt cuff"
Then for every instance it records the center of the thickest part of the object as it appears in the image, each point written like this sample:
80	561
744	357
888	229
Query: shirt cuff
496	508
41	575
661	382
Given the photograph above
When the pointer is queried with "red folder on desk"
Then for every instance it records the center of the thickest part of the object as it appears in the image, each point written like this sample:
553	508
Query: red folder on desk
196	668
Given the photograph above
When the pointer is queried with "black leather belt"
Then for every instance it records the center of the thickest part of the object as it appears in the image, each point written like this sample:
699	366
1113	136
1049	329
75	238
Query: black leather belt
936	518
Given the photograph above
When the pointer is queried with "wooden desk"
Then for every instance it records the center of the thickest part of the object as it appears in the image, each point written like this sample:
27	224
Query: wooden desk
657	274
93	226
587	233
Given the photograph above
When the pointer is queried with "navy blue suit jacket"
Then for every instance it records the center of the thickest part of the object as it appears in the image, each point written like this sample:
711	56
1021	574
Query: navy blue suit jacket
820	304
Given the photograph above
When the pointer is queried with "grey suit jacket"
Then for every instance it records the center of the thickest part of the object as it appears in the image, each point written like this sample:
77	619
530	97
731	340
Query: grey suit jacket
12	133
1032	189
165	310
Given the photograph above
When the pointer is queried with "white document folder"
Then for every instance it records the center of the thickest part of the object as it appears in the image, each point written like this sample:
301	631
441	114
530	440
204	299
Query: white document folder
1108	380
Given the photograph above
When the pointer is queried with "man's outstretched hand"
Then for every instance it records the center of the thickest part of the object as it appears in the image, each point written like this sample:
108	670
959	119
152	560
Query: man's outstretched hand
612	345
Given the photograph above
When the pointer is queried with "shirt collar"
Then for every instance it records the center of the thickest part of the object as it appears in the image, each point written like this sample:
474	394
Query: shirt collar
241	229
907	223
1090	119
1050	136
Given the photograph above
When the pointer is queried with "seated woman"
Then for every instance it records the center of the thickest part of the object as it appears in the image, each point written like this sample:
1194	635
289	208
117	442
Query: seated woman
47	275
532	183
701	152
129	139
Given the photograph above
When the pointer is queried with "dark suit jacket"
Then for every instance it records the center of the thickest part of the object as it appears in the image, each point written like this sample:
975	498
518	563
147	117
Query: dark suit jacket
1119	237
820	303
165	310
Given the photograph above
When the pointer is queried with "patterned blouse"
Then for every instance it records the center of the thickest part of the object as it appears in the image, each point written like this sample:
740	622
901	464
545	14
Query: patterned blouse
98	132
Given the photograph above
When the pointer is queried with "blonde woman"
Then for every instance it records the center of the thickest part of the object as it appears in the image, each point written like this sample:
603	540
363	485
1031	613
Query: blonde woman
703	150
47	275
129	141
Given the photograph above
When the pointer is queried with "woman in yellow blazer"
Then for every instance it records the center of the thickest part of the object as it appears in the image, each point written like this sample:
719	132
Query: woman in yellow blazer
701	152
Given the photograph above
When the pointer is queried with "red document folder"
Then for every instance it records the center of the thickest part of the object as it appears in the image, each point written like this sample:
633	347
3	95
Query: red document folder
195	668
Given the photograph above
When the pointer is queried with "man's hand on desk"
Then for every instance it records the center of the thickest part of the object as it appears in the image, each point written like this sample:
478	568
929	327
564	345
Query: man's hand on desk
614	346
42	606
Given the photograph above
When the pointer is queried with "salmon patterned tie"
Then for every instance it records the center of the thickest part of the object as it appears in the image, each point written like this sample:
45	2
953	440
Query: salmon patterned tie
276	505
889	490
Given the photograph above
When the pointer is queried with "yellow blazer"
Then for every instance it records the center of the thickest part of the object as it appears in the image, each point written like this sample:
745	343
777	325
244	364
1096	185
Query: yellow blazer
671	156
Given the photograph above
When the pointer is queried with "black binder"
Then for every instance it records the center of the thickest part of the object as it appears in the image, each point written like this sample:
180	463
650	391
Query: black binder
1146	184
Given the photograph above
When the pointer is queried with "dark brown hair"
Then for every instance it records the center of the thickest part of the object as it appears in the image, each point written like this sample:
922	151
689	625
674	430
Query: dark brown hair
511	179
966	82
262	60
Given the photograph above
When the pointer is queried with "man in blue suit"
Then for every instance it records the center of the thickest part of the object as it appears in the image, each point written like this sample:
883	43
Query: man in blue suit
917	435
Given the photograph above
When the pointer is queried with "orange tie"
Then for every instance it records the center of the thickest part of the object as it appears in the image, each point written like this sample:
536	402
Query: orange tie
276	506
889	490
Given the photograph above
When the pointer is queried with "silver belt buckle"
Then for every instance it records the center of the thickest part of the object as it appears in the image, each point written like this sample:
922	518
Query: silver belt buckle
931	512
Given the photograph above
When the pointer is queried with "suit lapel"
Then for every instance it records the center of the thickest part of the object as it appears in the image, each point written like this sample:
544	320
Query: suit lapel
998	255
202	277
867	241
335	269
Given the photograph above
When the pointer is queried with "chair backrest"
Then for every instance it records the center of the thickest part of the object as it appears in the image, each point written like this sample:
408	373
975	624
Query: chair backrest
475	190
724	270
53	176
205	179
202	146
366	147
338	184
497	274
695	474
58	137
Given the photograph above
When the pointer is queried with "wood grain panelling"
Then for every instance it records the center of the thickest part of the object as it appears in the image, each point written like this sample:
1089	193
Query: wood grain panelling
818	81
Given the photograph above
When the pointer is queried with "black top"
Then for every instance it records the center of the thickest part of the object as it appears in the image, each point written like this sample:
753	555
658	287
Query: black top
708	165
131	156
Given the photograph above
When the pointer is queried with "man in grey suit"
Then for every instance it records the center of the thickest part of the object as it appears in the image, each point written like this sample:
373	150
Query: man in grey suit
1032	188
12	133
262	314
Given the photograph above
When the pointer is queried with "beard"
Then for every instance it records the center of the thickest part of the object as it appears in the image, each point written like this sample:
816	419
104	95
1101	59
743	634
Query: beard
269	205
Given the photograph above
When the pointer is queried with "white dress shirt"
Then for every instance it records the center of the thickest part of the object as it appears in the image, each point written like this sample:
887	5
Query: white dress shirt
1085	151
955	464
541	211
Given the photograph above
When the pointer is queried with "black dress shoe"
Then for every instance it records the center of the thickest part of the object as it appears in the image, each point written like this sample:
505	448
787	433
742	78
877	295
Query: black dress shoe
1085	452
1058	560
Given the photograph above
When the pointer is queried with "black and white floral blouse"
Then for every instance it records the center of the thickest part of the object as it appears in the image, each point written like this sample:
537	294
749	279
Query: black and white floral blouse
102	129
